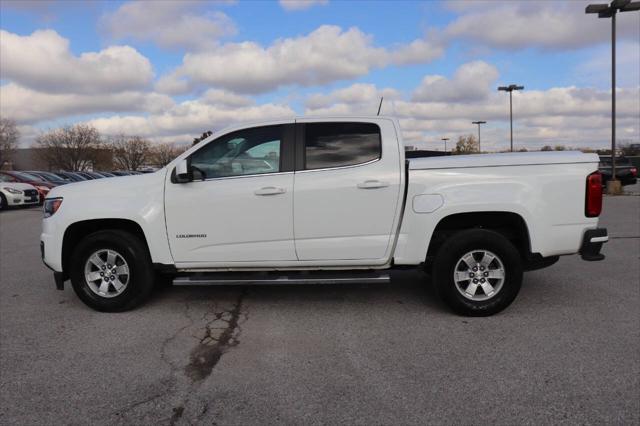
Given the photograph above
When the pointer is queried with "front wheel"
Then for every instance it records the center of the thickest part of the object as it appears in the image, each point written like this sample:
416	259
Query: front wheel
477	272
111	271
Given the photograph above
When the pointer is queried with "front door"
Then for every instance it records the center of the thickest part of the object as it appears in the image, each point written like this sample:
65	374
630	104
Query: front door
239	207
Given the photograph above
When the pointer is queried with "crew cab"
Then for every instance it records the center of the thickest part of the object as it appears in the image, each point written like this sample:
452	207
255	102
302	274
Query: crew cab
331	200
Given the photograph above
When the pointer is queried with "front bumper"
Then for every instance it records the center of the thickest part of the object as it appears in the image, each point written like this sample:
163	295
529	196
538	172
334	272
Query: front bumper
58	277
592	242
20	200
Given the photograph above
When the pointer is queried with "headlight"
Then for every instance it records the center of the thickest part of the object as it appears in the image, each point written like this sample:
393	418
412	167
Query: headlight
12	191
51	206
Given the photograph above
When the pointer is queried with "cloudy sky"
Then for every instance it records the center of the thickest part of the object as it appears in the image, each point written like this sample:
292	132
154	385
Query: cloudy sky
169	70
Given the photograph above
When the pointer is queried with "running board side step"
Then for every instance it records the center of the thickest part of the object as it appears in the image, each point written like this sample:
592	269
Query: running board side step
281	278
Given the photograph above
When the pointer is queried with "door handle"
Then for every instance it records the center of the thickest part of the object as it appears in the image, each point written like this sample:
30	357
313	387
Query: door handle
269	190
372	184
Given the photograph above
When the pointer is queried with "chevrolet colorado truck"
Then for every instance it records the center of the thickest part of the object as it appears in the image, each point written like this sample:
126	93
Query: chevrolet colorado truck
331	200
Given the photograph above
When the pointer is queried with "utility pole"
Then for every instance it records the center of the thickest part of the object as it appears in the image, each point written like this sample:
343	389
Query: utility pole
445	143
479	123
510	88
609	11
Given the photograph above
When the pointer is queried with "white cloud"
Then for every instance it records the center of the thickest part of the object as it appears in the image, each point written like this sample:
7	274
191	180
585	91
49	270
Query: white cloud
417	52
291	5
365	95
30	106
596	71
548	25
325	55
169	23
473	81
221	97
43	61
190	118
571	116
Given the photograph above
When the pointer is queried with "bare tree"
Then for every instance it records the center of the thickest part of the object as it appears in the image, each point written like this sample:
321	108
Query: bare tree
9	136
466	145
163	154
70	148
547	148
130	153
205	135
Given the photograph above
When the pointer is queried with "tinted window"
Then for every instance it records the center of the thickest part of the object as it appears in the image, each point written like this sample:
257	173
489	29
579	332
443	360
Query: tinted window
340	144
27	176
245	152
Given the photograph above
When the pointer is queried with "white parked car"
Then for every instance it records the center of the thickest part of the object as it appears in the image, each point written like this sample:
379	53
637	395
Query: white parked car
324	201
16	194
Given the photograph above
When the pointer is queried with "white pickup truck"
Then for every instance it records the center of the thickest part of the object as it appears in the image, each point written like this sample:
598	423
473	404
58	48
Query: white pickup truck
329	200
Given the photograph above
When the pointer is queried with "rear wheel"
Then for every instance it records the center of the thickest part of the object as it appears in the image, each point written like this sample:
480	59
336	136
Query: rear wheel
477	272
111	271
3	202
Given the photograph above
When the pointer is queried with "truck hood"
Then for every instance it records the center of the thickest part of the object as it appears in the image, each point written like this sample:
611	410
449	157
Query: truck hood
505	159
111	188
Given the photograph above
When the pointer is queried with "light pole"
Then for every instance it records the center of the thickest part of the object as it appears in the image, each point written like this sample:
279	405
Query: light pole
445	143
510	88
479	123
609	11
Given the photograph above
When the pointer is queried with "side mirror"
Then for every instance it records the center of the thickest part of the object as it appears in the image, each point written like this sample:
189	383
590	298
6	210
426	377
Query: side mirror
181	172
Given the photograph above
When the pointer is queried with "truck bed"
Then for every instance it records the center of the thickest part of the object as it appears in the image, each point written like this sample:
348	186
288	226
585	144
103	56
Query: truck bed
503	159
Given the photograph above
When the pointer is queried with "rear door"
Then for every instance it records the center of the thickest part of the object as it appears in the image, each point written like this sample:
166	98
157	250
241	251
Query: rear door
347	190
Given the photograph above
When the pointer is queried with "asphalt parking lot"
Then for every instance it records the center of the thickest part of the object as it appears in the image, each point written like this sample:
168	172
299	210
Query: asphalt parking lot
566	351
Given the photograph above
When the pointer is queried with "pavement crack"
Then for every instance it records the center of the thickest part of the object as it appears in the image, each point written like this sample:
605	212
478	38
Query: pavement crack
177	415
214	332
172	368
206	355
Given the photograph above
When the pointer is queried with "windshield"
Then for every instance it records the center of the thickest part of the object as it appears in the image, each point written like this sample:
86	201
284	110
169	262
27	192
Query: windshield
50	176
27	176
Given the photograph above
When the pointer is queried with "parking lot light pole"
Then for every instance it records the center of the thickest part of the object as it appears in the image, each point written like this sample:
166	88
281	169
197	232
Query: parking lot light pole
510	88
445	143
479	123
609	11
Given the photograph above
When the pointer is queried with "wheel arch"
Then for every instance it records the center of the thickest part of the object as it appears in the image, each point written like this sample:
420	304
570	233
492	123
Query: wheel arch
511	225
78	230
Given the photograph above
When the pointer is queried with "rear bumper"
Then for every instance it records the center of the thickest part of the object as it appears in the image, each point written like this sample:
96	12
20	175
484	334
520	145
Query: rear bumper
592	242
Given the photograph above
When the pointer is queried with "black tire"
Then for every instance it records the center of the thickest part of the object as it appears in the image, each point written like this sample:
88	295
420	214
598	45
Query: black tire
3	202
452	251
133	251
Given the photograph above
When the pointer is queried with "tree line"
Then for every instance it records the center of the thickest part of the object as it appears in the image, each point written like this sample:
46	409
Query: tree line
469	145
81	147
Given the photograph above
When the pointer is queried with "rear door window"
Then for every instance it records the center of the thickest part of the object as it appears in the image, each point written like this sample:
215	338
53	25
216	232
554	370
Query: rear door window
341	144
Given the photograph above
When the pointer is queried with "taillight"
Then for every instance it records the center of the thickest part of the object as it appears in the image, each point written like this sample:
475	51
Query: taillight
634	172
593	199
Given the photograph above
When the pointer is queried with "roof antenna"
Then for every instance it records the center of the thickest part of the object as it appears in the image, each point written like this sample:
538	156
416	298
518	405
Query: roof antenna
380	106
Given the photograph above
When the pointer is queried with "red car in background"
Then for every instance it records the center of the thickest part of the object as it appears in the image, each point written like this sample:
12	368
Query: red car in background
42	186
